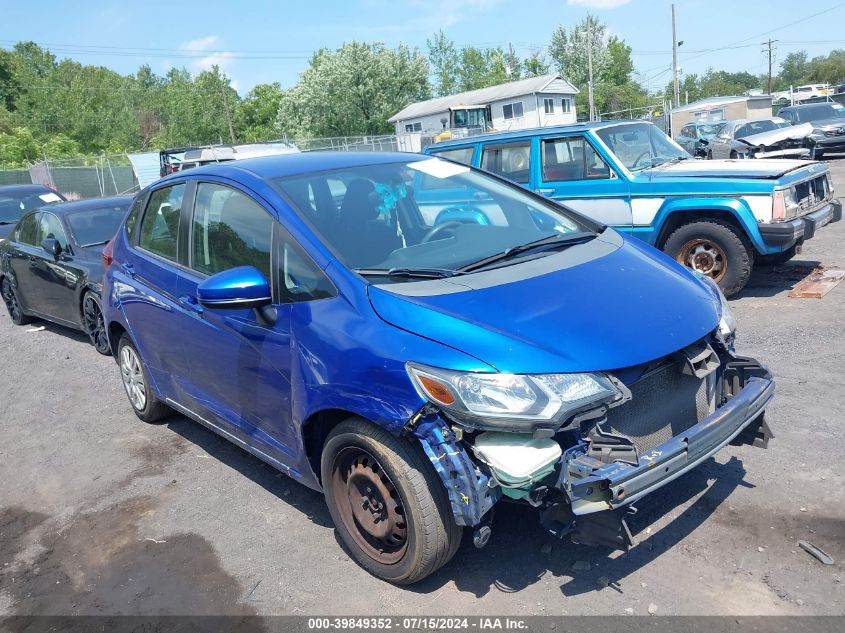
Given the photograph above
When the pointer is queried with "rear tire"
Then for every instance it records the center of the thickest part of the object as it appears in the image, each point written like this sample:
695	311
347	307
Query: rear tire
136	382
13	304
714	248
404	530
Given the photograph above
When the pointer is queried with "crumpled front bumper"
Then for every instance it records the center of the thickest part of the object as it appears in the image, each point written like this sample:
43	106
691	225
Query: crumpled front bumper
593	486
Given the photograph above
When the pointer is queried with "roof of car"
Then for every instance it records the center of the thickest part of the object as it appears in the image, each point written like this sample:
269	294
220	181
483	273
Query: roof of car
24	189
64	208
293	164
802	106
558	129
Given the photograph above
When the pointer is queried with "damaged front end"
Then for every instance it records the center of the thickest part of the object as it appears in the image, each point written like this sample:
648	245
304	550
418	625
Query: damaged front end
629	435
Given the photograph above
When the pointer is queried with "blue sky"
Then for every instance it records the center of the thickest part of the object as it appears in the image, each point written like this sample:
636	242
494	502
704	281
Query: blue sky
258	41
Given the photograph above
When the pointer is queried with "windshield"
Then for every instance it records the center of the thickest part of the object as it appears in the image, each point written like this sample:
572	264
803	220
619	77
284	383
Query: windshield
430	214
758	127
96	226
14	206
641	145
819	112
710	130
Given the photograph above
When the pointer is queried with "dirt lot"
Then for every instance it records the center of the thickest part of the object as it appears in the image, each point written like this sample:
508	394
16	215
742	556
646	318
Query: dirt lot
101	514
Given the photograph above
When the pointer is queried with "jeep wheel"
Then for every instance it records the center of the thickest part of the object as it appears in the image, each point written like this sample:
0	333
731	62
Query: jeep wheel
714	248
390	509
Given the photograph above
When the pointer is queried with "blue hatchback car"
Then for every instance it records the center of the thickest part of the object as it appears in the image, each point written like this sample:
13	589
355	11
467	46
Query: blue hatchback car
417	373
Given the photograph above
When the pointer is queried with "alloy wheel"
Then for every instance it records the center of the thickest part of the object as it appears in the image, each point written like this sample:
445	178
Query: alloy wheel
94	324
370	505
133	377
704	256
11	300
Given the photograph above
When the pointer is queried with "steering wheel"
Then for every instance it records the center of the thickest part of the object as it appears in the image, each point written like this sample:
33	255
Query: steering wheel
645	154
434	231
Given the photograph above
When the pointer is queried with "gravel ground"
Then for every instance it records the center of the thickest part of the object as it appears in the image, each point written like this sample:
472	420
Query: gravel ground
102	514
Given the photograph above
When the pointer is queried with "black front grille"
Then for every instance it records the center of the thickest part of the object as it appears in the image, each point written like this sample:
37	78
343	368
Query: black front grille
665	403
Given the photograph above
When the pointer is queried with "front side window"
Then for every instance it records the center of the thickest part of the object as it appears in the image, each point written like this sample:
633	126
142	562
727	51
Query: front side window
641	145
509	160
388	219
300	278
50	228
160	225
132	218
549	105
512	110
572	158
230	229
28	230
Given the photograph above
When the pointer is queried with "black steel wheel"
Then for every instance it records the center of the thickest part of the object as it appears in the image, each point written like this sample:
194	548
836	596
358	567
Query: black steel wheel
13	304
95	327
390	508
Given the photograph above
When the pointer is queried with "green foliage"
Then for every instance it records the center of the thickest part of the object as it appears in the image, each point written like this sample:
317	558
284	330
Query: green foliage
353	90
715	83
255	118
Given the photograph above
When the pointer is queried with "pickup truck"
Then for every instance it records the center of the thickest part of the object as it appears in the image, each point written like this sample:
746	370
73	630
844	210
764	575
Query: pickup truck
717	217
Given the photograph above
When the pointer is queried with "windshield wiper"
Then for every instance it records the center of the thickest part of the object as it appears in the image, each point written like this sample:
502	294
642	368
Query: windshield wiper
410	273
537	246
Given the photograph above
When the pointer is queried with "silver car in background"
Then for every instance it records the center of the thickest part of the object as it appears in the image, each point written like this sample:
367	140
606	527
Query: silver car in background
766	138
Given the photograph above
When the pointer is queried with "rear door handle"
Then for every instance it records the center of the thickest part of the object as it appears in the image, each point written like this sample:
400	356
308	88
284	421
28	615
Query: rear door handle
191	304
129	269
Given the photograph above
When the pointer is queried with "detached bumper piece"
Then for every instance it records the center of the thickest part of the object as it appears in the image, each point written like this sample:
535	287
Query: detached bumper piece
592	485
785	234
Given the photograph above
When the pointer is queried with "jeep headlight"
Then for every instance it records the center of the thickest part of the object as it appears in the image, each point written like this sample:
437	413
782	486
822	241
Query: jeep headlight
727	322
518	402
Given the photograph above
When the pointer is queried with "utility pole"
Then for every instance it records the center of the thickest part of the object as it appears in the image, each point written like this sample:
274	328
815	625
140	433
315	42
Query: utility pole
510	66
228	112
768	49
677	84
590	68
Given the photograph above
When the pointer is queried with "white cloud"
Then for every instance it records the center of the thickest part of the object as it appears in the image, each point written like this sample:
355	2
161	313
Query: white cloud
201	43
214	57
597	4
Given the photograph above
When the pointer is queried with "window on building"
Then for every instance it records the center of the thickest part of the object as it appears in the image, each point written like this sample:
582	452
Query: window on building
509	160
565	106
512	110
413	127
549	105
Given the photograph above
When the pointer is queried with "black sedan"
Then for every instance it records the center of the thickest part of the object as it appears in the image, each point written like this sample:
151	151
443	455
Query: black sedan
51	264
15	200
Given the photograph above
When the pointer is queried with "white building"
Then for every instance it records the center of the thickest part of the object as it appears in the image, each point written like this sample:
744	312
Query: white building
535	102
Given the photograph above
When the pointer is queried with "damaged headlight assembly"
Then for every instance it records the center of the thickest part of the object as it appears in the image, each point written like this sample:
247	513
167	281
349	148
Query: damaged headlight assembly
512	402
727	322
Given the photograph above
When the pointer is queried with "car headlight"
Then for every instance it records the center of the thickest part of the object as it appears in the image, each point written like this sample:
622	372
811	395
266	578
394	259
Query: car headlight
511	401
727	322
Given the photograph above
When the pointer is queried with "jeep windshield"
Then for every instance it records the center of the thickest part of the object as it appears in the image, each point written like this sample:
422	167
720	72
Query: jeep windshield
423	219
641	145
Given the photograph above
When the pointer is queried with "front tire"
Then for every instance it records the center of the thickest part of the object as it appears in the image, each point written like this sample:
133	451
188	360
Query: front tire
714	248
136	382
13	304
390	509
95	326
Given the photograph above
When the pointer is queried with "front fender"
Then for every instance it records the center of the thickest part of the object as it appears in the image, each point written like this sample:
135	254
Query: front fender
735	207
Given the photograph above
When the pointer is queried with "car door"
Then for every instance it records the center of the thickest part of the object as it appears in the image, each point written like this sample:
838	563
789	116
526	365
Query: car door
687	138
21	260
574	174
56	280
239	365
720	146
148	286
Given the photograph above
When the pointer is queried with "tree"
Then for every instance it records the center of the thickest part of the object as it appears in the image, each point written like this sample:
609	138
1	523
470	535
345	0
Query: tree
535	66
620	66
353	90
568	50
793	68
255	118
444	60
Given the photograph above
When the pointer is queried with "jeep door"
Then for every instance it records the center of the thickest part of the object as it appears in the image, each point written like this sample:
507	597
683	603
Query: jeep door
572	172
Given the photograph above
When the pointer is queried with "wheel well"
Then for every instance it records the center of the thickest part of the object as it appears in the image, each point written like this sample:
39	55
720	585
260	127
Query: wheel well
116	330
316	429
679	218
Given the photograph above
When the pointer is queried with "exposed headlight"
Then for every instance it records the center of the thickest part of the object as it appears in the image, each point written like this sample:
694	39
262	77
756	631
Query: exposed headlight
727	322
511	401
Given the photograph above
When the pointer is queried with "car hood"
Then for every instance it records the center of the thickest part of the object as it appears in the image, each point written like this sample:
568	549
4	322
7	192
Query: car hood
793	132
828	124
773	168
625	306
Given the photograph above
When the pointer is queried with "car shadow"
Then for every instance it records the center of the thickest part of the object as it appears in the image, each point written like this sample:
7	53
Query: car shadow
41	325
768	281
521	552
307	501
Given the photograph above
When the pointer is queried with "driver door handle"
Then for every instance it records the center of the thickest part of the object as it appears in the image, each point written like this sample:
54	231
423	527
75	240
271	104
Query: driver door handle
191	304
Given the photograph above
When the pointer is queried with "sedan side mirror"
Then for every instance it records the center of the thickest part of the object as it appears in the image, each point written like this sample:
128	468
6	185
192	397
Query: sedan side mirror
52	246
236	288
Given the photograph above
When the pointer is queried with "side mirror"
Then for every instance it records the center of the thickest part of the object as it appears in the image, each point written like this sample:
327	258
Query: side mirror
52	246
242	287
